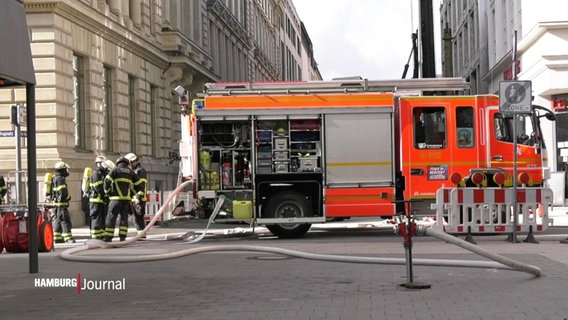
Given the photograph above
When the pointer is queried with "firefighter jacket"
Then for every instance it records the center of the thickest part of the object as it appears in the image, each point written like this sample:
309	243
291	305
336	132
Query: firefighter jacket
96	185
142	183
121	183
3	189
59	191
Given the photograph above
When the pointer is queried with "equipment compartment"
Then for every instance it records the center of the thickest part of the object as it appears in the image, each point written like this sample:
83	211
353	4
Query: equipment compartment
280	144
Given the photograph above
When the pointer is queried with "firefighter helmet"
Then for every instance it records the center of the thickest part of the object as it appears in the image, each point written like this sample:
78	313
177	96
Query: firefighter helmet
109	164
61	165
131	157
122	160
100	159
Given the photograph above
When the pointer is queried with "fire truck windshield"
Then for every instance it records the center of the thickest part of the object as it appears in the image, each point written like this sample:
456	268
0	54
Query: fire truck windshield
526	130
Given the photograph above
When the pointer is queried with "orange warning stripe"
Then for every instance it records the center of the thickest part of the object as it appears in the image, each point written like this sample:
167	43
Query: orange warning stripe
300	101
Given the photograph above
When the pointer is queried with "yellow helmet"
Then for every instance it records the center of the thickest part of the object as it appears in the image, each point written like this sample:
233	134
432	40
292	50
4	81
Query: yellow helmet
100	159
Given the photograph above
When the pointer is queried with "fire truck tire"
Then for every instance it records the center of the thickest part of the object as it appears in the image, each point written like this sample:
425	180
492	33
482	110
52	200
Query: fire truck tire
289	204
45	240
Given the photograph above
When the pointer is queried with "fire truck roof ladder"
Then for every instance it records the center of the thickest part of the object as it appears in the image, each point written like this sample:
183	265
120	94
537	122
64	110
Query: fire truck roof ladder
408	86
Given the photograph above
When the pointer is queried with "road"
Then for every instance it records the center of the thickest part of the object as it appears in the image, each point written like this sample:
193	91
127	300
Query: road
264	285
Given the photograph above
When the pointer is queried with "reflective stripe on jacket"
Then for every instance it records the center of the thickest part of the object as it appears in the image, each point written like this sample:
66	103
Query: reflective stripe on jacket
142	184
96	185
60	192
120	183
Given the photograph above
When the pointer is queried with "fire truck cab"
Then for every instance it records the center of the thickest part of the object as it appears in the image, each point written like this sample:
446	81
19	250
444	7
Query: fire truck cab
288	155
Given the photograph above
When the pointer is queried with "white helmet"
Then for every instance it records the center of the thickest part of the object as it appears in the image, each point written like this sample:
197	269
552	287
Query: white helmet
100	159
61	165
109	164
131	157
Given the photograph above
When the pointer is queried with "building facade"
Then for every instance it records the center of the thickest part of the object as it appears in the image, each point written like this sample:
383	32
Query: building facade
481	36
105	70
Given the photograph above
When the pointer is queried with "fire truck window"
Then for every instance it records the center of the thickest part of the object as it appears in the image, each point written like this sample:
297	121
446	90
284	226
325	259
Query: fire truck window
464	127
429	128
504	129
500	125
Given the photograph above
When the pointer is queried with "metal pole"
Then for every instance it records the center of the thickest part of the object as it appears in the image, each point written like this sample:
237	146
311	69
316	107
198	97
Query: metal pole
515	215
17	136
32	177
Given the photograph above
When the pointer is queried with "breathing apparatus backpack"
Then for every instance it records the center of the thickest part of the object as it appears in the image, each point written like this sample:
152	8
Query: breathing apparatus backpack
86	185
47	184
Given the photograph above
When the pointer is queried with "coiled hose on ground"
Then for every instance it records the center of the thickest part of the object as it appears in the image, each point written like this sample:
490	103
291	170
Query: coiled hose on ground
499	262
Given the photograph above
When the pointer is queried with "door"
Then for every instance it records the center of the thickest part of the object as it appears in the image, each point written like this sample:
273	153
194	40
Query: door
438	138
500	148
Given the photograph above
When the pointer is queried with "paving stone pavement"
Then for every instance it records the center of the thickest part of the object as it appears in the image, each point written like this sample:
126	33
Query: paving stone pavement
254	285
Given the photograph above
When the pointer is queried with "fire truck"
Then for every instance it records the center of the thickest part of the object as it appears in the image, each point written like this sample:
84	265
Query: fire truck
290	154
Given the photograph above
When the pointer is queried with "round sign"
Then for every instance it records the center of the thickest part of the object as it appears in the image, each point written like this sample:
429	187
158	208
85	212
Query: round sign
515	93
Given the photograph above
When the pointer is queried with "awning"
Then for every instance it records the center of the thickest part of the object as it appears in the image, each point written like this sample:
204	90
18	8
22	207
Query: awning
16	65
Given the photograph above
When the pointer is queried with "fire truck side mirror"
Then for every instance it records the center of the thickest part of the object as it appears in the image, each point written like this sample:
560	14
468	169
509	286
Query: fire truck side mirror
549	115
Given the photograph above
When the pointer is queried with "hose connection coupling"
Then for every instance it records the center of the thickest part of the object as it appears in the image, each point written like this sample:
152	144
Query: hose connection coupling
406	231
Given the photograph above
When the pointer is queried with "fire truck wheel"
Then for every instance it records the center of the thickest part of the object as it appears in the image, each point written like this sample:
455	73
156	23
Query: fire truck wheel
45	237
289	204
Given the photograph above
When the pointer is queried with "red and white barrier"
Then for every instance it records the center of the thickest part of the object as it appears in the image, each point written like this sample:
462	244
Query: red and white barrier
490	210
153	204
182	196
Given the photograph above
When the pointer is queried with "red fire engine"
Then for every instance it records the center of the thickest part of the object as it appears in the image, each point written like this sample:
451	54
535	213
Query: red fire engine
292	154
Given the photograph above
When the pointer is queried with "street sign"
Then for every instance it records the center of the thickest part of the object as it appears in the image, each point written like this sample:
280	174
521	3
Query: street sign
7	133
11	133
515	96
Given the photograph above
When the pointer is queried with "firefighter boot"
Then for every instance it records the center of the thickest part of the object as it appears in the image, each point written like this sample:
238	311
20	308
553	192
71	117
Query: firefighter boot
58	237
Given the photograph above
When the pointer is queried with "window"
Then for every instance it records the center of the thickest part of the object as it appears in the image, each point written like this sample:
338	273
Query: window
79	102
503	127
153	15
154	119
132	112
429	128
108	109
464	127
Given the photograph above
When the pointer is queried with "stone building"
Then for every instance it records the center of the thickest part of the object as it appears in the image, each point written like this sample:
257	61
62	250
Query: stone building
105	70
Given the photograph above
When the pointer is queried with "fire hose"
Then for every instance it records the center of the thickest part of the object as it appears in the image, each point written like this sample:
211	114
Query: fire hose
500	262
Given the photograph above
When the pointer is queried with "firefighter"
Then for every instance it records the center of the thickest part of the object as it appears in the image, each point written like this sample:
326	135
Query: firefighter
110	166
118	185
139	199
97	198
61	197
3	189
